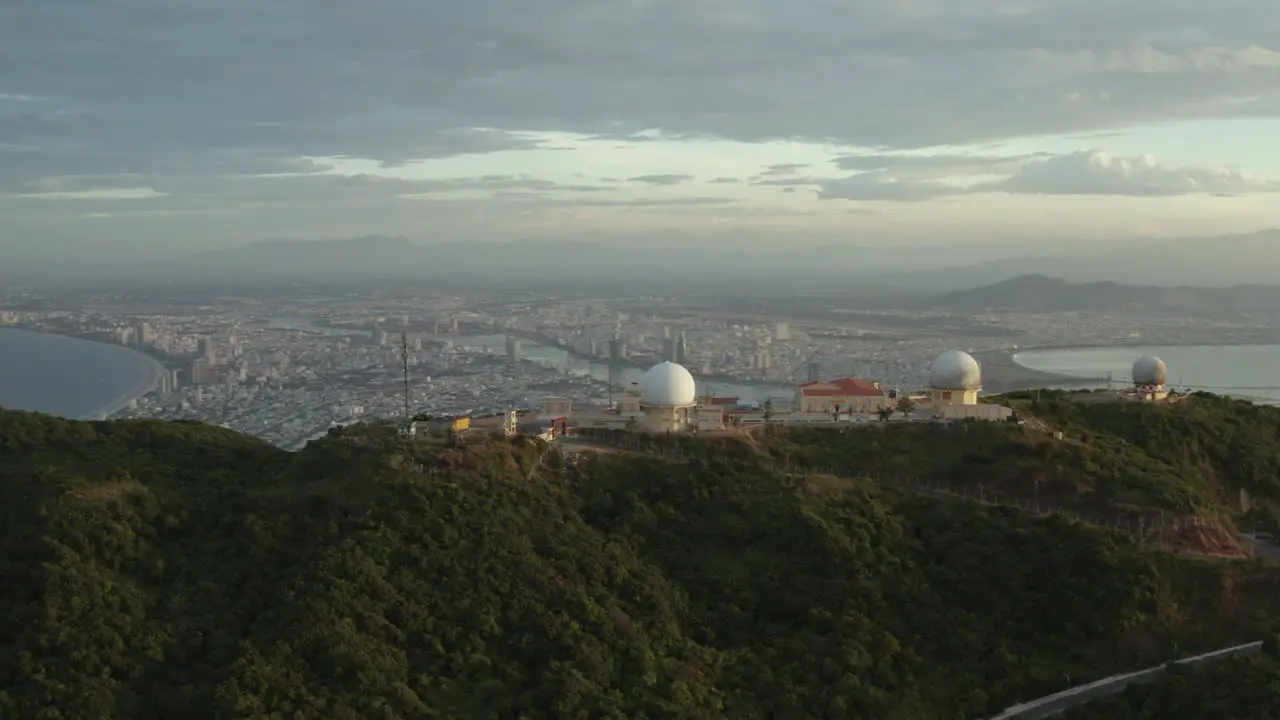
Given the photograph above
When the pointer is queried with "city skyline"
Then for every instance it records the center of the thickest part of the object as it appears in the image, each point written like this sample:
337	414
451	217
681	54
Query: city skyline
907	120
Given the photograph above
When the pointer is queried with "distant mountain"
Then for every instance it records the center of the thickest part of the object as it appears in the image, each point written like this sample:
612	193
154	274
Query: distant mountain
1220	261
1043	294
654	262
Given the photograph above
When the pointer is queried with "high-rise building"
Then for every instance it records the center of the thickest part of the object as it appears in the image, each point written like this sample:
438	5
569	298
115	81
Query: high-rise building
781	332
513	349
815	372
682	349
199	371
669	349
142	334
206	350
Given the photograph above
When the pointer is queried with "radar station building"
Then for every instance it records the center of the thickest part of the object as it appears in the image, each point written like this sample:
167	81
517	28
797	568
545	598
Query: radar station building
1149	377
843	395
955	379
667	393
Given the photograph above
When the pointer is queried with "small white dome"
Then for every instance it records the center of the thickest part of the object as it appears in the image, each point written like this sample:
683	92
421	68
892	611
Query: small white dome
667	385
955	370
1150	370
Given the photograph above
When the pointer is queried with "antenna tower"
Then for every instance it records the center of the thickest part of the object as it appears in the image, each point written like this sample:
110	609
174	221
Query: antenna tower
404	367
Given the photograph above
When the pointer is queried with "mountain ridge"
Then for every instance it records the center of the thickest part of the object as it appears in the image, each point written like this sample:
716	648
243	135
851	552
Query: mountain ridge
1040	293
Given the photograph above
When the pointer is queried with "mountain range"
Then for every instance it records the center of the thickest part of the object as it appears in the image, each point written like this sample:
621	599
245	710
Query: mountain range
1043	294
659	261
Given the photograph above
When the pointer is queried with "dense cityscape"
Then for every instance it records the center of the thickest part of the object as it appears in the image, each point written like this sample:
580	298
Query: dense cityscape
287	370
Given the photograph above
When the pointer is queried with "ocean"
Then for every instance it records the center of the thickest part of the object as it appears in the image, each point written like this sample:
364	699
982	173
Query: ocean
1241	370
74	378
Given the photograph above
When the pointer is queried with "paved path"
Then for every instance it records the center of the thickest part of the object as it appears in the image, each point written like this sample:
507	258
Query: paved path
1262	547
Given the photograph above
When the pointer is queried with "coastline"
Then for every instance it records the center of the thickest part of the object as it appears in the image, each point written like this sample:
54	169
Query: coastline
1257	391
140	388
145	380
1000	374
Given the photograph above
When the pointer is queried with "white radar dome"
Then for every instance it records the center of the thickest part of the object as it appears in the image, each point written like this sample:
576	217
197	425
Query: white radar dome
955	370
1150	370
667	385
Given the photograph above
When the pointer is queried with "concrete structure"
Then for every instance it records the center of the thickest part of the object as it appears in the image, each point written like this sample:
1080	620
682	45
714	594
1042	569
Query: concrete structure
629	406
955	378
553	406
981	411
667	392
710	418
847	395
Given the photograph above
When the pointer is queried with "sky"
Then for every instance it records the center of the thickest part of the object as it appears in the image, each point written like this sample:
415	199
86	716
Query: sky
207	123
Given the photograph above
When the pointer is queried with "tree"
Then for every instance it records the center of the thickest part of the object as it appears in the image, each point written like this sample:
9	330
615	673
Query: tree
906	405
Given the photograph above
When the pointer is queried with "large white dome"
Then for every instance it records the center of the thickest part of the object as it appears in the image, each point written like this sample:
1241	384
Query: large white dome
1150	370
955	370
667	385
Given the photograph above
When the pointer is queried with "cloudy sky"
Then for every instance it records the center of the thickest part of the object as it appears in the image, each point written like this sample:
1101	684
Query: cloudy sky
222	121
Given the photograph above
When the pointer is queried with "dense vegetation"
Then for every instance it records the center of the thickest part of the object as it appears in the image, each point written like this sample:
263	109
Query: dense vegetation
166	570
1190	456
1234	690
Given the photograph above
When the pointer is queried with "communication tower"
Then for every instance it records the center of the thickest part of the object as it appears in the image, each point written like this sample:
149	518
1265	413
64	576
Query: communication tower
404	367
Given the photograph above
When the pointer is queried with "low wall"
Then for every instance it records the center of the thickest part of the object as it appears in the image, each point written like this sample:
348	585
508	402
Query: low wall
1060	702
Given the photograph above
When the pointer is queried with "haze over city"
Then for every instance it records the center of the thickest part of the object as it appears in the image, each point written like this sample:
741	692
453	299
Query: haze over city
144	129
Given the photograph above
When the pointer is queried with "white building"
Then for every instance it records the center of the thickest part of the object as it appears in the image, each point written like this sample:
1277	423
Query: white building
955	379
667	392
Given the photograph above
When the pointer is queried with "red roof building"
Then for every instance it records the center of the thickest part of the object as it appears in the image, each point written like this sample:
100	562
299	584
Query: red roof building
841	395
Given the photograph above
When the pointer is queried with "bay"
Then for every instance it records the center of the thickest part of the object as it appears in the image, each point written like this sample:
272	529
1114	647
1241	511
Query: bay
70	377
1240	370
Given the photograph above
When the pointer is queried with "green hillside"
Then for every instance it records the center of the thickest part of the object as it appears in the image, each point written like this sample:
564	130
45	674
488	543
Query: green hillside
1189	457
169	570
1234	690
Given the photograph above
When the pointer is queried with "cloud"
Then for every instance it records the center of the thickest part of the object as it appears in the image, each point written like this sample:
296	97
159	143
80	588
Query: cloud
783	169
198	100
293	79
661	179
939	164
1094	172
881	185
1087	172
95	193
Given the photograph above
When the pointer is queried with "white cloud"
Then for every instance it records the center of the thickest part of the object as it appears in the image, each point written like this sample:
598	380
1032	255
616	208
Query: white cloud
288	89
93	193
883	185
1094	172
1088	172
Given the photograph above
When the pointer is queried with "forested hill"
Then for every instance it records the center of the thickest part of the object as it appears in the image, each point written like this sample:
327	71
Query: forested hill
169	570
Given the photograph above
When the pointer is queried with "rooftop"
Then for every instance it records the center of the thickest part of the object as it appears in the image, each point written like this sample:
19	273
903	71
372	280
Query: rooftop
842	387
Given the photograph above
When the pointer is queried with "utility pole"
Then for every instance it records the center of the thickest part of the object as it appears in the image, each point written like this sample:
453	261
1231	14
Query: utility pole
404	367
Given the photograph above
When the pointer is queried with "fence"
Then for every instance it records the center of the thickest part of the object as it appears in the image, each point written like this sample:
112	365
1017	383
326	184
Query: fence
1060	702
